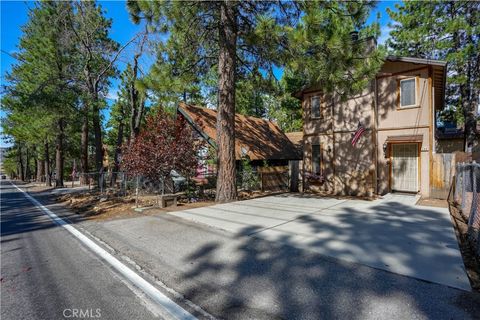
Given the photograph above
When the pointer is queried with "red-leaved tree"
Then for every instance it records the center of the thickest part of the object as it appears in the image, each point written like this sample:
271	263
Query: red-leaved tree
163	145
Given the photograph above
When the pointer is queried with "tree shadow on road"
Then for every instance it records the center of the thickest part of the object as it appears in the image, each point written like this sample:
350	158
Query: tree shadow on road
266	280
19	215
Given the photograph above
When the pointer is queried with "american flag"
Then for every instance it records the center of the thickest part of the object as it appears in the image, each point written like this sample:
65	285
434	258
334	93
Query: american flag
360	130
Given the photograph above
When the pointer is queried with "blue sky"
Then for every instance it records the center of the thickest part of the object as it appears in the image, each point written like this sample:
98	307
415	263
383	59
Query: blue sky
14	14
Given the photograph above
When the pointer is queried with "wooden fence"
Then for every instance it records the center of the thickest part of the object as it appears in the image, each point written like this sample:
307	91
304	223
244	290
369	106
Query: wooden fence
443	165
443	172
273	178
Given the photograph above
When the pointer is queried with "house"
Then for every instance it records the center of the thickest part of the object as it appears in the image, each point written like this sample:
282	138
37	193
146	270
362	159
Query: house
394	118
449	138
260	141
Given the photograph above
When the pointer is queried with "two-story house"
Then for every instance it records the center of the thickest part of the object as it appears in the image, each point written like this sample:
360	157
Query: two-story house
394	118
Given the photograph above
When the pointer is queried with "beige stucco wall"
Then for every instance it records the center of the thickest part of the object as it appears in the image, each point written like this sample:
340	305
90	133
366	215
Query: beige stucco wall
326	142
347	169
317	125
389	113
354	165
383	167
394	121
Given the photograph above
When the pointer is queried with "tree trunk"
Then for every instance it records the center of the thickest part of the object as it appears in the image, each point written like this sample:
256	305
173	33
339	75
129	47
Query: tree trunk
20	162
226	182
48	175
59	156
35	167
137	103
40	170
469	104
470	122
97	130
27	166
84	147
137	115
118	150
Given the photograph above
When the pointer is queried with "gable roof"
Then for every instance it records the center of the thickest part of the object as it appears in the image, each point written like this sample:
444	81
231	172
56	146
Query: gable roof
439	77
260	138
430	62
297	139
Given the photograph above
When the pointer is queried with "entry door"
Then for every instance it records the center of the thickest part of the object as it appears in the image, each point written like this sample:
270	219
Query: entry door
405	167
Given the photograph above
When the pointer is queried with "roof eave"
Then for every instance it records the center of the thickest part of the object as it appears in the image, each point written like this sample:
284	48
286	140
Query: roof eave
432	62
187	117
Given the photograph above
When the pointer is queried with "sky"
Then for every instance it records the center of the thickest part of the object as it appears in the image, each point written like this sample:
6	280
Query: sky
14	14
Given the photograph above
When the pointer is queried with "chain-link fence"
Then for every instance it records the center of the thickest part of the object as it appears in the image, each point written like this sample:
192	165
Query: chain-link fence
466	196
123	183
128	184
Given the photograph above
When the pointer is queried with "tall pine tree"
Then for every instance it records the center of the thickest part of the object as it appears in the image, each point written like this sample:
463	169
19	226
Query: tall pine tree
236	37
446	30
96	54
37	112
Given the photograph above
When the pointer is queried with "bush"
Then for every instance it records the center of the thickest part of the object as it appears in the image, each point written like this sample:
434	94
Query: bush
163	145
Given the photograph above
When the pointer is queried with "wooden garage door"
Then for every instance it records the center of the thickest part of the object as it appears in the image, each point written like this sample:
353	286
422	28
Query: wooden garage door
405	167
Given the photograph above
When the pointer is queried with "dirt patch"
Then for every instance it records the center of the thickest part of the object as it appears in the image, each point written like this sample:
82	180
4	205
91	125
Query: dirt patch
92	205
429	202
321	194
470	260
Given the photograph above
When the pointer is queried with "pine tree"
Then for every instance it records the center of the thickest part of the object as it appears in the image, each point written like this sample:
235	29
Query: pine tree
204	34
325	51
96	54
237	37
37	113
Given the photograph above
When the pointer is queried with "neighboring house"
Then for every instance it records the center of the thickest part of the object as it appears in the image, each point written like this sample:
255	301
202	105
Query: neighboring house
394	153
449	138
259	140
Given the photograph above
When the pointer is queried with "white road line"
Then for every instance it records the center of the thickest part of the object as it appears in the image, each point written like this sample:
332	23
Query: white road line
173	309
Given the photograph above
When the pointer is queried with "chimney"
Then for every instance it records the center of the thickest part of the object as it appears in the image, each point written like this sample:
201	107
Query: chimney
354	36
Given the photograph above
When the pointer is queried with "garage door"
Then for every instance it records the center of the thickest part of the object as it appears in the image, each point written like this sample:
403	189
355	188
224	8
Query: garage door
405	167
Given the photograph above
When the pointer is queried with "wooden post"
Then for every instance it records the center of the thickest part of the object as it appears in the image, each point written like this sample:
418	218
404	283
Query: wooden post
136	195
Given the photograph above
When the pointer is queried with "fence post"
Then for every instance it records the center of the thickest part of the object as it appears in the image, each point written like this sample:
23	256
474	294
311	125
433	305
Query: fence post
261	181
474	195
124	184
136	193
456	196
101	182
463	188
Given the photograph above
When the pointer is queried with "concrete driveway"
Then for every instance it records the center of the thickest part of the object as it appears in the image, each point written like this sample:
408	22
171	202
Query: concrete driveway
392	233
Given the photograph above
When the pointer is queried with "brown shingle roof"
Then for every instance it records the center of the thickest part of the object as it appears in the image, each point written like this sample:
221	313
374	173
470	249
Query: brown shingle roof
262	139
297	139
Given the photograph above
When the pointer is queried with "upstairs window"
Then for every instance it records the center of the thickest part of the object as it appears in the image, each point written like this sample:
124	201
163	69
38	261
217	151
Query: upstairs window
408	93
315	104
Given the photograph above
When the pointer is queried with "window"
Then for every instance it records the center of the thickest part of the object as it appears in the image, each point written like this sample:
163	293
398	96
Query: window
315	104
408	93
316	159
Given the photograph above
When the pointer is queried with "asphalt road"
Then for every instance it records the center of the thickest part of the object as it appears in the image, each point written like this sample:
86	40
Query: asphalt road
48	274
45	271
